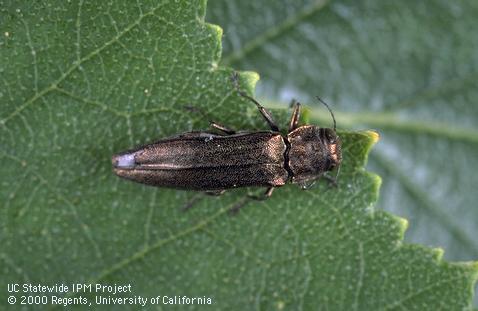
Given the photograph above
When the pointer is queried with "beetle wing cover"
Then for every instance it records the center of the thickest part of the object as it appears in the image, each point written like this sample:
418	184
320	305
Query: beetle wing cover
207	161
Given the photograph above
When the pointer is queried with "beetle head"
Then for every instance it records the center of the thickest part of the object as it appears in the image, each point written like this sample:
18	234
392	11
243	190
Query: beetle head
313	151
331	142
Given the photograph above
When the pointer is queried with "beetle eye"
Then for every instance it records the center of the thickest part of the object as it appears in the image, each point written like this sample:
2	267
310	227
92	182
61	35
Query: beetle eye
330	135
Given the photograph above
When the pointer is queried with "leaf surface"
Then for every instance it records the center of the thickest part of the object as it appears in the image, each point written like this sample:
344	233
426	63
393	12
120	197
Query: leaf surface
406	69
81	81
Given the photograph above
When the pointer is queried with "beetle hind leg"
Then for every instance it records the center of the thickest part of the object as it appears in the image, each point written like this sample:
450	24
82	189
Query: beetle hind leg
222	128
213	124
307	185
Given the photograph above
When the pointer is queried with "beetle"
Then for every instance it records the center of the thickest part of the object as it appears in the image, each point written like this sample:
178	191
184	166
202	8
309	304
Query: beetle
214	162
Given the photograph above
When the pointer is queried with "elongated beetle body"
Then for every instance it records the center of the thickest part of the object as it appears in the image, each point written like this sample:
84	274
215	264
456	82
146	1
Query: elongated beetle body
215	162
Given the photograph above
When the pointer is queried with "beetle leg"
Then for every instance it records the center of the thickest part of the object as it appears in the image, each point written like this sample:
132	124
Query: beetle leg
307	186
294	119
265	113
214	192
213	124
331	181
199	196
262	197
190	203
237	207
221	128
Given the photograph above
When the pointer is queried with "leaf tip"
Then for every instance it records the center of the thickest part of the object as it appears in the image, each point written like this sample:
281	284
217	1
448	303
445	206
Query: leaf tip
474	270
249	79
403	225
216	33
217	30
374	136
438	253
364	141
376	182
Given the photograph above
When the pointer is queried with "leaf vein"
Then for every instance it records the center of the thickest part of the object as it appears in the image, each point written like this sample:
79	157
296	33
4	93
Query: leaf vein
76	64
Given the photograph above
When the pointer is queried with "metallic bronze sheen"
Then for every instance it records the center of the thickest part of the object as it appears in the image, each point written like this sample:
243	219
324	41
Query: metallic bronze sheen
312	153
214	162
207	161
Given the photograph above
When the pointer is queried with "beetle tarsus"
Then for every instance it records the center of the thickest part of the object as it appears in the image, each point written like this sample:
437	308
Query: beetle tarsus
222	128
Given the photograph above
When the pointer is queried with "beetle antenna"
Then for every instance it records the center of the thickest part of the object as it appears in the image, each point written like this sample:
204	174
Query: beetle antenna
328	108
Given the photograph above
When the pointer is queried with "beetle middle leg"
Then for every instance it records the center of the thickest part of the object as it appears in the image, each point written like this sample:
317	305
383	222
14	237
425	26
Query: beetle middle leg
264	112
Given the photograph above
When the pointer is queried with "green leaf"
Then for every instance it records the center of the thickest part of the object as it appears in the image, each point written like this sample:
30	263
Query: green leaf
80	81
406	69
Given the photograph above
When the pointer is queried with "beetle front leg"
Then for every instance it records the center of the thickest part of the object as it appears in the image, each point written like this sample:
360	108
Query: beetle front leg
332	181
265	113
309	184
294	119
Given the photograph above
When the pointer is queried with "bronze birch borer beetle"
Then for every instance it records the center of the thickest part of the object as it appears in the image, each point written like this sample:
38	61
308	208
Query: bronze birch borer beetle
214	162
